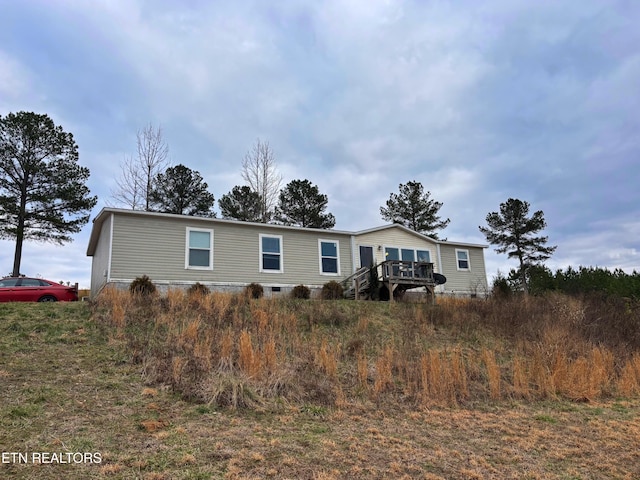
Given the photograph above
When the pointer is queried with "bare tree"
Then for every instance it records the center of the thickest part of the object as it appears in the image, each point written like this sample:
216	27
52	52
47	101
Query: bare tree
260	172
152	156
129	190
135	184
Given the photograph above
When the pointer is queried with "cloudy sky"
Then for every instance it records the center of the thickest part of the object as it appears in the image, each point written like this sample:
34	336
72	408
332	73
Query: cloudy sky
479	101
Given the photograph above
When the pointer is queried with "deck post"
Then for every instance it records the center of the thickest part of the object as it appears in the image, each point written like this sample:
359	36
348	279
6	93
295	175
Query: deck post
432	293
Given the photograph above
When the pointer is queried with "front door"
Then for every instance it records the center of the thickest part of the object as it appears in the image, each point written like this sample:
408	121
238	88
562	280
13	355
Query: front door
366	256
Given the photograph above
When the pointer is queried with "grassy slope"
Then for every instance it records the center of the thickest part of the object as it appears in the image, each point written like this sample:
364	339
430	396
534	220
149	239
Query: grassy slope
66	386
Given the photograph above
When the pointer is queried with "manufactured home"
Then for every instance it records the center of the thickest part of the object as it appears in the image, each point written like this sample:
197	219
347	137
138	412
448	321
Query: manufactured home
179	250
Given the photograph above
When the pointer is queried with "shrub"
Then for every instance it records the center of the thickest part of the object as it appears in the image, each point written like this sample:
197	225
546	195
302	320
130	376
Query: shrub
254	290
501	287
374	283
332	291
198	288
300	291
142	286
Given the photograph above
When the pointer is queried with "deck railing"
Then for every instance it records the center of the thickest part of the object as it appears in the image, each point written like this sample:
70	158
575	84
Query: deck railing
404	271
409	274
356	283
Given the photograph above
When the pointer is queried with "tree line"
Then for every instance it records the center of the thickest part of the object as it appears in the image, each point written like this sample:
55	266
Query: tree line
570	280
44	197
147	182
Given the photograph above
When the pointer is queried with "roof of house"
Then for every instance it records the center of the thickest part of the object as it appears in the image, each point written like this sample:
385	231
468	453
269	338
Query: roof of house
105	212
418	234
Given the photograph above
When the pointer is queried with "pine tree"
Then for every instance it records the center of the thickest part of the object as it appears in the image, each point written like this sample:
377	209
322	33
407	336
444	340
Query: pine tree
302	204
241	203
182	191
514	233
414	209
43	195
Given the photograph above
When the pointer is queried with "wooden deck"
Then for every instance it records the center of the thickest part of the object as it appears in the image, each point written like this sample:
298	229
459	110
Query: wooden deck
396	275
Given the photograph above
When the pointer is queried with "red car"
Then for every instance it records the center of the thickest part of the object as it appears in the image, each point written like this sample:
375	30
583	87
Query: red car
24	289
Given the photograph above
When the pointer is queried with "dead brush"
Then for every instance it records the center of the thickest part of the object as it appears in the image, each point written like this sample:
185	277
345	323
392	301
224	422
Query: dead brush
589	377
362	366
203	352
260	319
117	303
540	377
178	365
459	374
118	315
228	389
628	383
217	306
225	352
383	372
436	382
190	332
362	326
233	350
520	378
248	359
270	356
175	299
493	373
326	359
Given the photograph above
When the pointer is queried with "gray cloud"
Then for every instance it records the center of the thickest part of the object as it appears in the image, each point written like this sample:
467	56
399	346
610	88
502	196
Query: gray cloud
480	101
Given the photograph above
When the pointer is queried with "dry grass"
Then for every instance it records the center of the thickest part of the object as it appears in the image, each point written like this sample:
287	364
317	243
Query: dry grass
68	384
458	351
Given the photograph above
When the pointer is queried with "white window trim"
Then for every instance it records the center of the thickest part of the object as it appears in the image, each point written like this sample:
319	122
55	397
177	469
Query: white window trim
337	242
468	269
267	270
186	250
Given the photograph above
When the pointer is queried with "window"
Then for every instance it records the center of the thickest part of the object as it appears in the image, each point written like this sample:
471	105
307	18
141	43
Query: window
199	251
462	257
408	255
391	253
271	253
329	264
423	255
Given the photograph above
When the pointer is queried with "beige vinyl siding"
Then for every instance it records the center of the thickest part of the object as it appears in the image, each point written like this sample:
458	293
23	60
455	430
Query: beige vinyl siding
394	237
155	246
460	281
100	259
127	244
